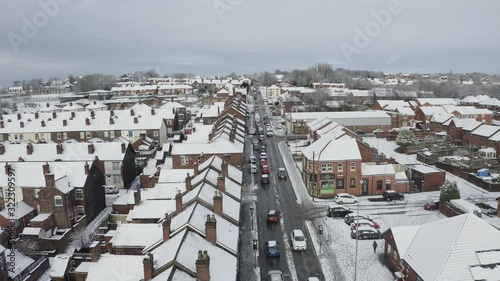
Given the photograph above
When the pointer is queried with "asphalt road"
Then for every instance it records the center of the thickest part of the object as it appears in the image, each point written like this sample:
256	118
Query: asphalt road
279	194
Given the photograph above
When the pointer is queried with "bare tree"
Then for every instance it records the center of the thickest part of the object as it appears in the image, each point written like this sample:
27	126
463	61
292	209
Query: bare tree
95	82
81	238
27	247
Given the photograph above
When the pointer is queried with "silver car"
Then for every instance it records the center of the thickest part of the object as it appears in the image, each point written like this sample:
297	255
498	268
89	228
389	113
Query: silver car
274	275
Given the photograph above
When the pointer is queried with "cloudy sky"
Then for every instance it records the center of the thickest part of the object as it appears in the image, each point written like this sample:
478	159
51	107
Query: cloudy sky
244	36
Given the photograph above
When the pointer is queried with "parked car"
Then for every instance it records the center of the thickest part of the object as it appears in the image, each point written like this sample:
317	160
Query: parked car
265	169
264	178
345	198
263	154
255	144
274	275
263	148
110	189
390	195
263	162
362	223
282	173
313	279
252	160
273	216
378	131
272	249
298	240
431	206
253	169
269	133
337	211
351	218
366	233
360	132
262	137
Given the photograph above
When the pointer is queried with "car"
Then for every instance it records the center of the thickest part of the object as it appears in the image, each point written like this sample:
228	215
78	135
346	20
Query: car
360	132
351	218
345	198
265	169
253	169
390	195
263	154
337	211
262	137
274	275
255	144
313	279
264	178
431	206
378	131
110	189
366	232
252	131
272	249
281	173
267	122
273	216
269	133
252	160
263	162
361	223
298	240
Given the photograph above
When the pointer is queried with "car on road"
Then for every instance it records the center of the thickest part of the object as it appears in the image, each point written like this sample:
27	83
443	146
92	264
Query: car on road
313	279
345	198
298	240
366	232
378	131
431	206
264	178
255	143
337	211
269	133
252	160
360	132
265	169
253	169
351	218
252	131
273	216
110	189
274	275
263	154
282	173
362	223
390	195
272	249
263	162
262	137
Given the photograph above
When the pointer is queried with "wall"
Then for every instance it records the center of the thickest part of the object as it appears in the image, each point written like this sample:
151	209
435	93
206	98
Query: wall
236	159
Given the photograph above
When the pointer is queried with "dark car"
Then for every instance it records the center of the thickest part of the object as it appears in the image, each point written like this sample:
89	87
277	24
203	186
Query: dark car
360	132
281	173
262	137
431	206
351	218
264	179
366	232
391	195
273	216
337	211
272	249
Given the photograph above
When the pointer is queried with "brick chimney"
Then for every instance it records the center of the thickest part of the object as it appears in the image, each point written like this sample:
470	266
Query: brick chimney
152	111
188	183
137	197
124	148
7	167
59	148
203	266
2	124
131	112
86	168
232	135
92	114
19	116
221	183
46	168
218	203
224	168
201	158
166	227
47	104
111	121
95	251
54	115
91	148
178	202
111	113
147	264
29	149
227	157
73	114
2	149
36	115
49	180
211	228
21	124
87	121
42	123
195	168
65	122
136	120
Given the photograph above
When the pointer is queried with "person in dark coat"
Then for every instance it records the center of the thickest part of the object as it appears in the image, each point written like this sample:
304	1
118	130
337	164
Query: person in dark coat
375	246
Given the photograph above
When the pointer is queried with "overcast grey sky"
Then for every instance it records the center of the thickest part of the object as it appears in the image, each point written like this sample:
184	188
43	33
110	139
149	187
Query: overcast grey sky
243	36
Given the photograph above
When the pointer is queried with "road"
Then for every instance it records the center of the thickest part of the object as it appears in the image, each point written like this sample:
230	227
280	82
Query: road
279	195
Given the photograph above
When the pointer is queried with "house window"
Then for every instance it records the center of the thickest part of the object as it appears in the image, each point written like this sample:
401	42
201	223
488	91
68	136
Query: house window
106	134
395	257
88	135
58	202
37	137
184	160
59	136
16	137
130	134
379	184
353	166
112	134
327	167
116	165
388	184
340	184
352	183
169	122
340	167
82	135
1	137
78	194
21	137
155	133
117	179
80	211
65	136
36	190
1	192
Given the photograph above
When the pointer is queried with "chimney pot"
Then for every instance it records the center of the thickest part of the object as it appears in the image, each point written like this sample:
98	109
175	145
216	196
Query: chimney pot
87	121
188	183
152	111
211	229
111	113
46	168
59	148
178	203
218	203
166	227
203	266
29	149
111	121
90	148
2	149
136	120
21	124
7	167
137	197
19	116
221	183
124	148
73	114
1	124
86	168
43	123
54	115
131	112
65	122
36	115
148	267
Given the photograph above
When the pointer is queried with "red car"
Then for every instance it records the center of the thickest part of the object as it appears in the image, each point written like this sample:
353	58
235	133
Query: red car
265	169
365	223
263	162
273	216
431	206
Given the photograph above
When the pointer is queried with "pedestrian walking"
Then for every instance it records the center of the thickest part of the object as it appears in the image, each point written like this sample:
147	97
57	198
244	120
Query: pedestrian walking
374	246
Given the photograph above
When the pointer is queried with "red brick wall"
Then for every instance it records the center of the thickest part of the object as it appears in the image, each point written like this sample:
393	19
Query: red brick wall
366	153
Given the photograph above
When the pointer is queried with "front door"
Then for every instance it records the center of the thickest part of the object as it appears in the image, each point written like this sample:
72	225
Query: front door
364	187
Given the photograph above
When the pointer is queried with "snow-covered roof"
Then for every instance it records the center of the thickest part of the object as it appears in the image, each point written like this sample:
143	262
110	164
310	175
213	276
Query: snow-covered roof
21	210
346	118
318	123
431	110
217	146
486	130
469	99
467	110
470	125
215	162
490	102
172	104
137	234
403	236
485	272
495	137
482	97
117	267
59	265
328	149
151	209
32	231
392	104
436	101
371	170
174	175
445	249
21	263
424	168
405	111
441	118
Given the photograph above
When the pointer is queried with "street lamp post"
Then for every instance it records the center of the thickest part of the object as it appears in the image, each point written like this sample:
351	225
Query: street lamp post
320	232
357	238
255	252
